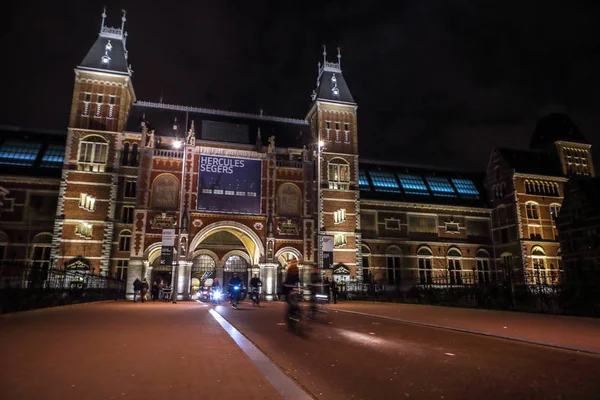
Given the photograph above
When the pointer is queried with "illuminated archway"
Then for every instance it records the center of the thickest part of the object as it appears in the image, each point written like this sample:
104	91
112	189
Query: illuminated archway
245	234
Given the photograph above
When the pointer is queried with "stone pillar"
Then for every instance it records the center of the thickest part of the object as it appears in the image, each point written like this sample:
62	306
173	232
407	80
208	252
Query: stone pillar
147	272
219	273
134	270
268	276
183	285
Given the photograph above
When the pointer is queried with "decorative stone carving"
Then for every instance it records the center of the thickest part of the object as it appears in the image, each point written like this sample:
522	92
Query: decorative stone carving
271	148
288	200
151	139
165	192
258	226
197	223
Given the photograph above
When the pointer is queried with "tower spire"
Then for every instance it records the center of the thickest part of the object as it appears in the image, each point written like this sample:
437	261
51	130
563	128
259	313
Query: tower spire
123	23
103	18
324	54
339	57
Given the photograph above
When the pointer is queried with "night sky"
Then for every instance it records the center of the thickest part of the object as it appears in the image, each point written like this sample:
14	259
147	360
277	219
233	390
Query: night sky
437	82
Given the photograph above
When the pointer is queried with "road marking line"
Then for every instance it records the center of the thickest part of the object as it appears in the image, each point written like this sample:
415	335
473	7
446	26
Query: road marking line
450	328
280	381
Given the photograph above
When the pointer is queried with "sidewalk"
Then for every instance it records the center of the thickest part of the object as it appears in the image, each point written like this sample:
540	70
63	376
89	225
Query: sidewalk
573	333
124	350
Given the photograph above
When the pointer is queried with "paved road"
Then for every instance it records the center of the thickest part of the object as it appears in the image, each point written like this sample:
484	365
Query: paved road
360	357
121	350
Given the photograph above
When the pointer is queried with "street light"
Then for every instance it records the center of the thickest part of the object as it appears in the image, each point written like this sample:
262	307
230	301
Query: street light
177	144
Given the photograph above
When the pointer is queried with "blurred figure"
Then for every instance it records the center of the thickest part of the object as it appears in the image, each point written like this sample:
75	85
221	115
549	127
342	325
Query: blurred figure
137	287
316	287
144	290
255	284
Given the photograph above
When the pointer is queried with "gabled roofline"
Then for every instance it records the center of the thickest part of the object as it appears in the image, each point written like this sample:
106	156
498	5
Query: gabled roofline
234	114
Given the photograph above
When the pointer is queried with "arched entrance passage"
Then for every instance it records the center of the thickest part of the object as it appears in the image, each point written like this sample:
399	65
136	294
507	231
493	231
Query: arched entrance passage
250	240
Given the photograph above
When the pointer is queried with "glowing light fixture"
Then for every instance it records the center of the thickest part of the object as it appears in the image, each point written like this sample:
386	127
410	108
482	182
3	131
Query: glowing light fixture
177	144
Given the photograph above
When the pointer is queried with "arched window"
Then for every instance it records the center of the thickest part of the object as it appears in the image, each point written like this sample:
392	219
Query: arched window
203	263
93	154
338	174
41	248
538	257
425	259
532	210
125	240
288	199
165	192
125	154
366	261
235	264
454	267
393	256
483	266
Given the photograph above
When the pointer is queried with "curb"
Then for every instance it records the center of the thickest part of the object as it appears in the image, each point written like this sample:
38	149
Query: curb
474	332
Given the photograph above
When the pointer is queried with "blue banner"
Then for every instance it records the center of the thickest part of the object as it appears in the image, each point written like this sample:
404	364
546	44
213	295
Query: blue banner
229	185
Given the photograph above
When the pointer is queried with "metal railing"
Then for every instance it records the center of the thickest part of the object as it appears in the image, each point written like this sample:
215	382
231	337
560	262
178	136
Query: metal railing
544	292
26	288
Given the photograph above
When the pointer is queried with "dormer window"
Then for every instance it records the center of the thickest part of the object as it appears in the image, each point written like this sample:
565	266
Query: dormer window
105	59
108	46
333	79
336	91
175	124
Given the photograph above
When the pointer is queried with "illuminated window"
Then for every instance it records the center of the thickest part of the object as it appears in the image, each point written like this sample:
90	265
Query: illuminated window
53	156
339	216
87	202
413	184
466	188
541	188
363	182
84	229
454	268
440	187
125	241
339	174
19	153
339	240
93	154
384	182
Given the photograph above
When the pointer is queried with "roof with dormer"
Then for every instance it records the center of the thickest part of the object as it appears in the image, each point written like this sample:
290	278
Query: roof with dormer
390	181
109	51
218	125
331	85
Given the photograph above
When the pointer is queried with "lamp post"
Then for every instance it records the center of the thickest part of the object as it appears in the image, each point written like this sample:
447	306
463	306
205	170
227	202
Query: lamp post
320	145
177	144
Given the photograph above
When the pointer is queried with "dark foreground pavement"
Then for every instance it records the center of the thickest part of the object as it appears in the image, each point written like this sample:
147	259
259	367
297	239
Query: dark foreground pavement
363	357
556	330
122	350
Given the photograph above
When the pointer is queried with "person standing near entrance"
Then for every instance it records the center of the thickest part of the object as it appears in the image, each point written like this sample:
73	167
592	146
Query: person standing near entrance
334	291
137	286
144	290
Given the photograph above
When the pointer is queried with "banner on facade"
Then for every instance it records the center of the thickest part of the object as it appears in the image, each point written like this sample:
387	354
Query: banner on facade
168	243
327	249
229	185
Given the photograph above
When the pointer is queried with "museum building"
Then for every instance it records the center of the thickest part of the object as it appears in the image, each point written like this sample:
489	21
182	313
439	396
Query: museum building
253	194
